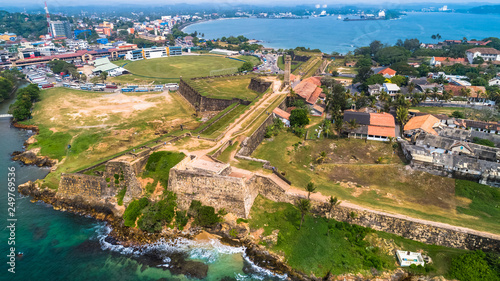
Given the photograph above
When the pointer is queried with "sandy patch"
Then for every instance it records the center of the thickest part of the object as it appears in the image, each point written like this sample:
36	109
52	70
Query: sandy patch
205	236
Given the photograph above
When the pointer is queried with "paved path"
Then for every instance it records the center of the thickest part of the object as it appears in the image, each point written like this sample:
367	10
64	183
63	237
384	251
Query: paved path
266	100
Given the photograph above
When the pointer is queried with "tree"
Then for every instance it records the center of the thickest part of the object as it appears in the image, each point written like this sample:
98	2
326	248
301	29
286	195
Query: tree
6	87
247	66
402	116
399	80
363	74
364	61
299	117
338	124
375	46
390	55
352	124
304	206
375	79
310	188
103	76
332	202
458	114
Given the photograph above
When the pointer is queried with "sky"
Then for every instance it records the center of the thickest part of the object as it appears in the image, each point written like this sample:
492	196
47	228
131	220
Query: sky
234	2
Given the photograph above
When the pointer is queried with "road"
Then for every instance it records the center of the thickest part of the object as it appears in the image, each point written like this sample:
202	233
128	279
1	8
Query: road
269	64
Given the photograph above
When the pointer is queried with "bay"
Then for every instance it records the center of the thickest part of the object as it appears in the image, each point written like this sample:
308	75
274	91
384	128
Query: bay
332	35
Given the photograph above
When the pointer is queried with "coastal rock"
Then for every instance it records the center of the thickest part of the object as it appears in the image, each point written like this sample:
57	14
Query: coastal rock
29	157
25	127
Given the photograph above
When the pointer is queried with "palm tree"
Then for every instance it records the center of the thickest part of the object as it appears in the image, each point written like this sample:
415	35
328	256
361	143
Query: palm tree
435	92
402	115
338	124
426	93
411	88
310	188
353	125
332	202
304	206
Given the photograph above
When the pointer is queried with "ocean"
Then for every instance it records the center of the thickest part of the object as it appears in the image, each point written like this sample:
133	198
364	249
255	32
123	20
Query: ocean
332	35
60	246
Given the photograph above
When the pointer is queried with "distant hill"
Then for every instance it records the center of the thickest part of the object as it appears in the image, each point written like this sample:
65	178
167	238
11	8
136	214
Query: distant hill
486	9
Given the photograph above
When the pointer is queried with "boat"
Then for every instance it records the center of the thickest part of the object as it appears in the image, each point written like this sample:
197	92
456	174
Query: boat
323	14
20	254
339	17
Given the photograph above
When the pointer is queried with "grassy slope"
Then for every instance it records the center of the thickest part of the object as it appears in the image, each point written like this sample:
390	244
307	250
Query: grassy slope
386	187
63	118
185	66
438	110
225	88
218	127
254	60
312	251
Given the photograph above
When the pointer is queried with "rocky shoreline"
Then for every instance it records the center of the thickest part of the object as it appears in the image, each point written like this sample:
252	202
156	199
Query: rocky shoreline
132	237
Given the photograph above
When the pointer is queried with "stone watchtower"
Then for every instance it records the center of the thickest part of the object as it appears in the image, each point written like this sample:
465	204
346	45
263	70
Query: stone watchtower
288	68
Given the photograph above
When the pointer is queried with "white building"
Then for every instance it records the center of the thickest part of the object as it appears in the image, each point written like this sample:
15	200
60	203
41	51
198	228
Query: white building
494	81
391	89
224	52
408	258
381	14
488	54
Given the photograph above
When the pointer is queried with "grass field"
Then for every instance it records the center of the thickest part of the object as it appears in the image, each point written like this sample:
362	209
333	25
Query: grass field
312	250
218	127
254	60
351	173
99	125
185	66
225	87
437	110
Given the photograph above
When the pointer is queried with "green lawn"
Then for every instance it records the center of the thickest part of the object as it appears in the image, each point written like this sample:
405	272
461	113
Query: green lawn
254	60
101	125
185	66
226	154
225	87
389	187
209	122
158	167
218	127
344	249
437	110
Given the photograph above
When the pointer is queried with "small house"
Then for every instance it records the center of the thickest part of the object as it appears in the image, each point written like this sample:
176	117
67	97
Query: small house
407	258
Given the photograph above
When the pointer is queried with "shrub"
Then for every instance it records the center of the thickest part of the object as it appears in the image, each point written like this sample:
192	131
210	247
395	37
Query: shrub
158	214
133	211
240	220
181	219
474	266
203	215
120	195
484	142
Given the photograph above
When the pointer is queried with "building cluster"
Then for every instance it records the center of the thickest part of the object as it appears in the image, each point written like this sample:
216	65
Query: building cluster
447	146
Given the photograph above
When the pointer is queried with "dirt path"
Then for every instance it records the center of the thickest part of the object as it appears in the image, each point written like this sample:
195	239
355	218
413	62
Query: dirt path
318	197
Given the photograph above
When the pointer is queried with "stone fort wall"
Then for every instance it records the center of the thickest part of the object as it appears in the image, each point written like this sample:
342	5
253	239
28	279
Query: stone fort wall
211	104
220	192
72	185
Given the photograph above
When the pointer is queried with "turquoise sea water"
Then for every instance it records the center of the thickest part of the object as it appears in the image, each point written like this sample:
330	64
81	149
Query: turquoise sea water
66	247
330	34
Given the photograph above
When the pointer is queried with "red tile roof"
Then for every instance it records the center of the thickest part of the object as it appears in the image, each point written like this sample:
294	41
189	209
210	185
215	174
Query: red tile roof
382	119
424	122
388	71
315	95
382	131
315	80
445	59
282	113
